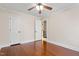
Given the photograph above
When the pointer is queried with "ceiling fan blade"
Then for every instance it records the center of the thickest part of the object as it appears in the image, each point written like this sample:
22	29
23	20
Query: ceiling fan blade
47	7
31	8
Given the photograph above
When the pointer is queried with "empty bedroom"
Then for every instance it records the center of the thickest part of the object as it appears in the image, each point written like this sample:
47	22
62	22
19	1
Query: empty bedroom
39	29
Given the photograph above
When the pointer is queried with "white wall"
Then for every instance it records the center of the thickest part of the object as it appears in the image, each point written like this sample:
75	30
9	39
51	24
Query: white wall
63	28
4	29
14	22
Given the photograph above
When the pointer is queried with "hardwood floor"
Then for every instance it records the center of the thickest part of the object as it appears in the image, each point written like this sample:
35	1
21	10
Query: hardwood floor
37	48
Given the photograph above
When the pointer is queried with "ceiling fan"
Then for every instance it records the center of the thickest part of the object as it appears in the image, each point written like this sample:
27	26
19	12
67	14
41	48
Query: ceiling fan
39	7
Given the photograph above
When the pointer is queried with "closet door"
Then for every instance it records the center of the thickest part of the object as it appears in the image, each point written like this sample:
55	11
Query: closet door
22	28
13	30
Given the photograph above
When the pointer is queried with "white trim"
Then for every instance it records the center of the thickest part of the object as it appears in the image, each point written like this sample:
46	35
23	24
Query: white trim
4	46
27	41
63	45
15	43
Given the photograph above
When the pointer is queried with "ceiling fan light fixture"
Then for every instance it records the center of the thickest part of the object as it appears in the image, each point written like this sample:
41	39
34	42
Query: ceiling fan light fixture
39	7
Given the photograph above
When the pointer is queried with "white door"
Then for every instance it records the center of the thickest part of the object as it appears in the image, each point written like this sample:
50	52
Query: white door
13	30
38	33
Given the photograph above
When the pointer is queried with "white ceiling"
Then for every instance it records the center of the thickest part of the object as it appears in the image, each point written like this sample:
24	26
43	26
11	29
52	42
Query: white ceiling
22	7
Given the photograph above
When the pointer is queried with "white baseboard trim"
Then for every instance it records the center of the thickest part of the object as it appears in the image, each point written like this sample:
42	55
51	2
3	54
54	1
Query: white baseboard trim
63	45
27	41
4	46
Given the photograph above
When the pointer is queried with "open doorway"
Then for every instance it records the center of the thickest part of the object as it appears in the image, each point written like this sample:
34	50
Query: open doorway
44	30
40	29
